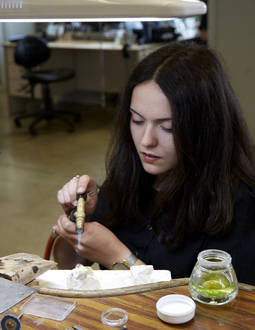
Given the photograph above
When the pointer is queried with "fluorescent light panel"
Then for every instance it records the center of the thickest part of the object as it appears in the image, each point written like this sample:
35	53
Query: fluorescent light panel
97	10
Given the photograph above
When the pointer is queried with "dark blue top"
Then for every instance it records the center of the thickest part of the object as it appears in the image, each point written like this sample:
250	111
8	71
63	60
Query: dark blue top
239	242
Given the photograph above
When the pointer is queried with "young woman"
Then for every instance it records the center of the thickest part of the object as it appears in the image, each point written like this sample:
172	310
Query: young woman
180	172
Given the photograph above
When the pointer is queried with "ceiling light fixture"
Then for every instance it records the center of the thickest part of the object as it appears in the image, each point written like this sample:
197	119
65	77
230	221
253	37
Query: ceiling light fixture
97	10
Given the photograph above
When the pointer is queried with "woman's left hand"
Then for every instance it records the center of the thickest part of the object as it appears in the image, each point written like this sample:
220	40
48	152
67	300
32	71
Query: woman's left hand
98	243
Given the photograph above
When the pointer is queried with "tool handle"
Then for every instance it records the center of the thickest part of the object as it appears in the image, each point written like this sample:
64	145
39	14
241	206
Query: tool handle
72	214
78	214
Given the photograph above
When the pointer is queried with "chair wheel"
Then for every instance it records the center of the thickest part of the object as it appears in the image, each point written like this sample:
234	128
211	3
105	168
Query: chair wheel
77	118
32	132
17	122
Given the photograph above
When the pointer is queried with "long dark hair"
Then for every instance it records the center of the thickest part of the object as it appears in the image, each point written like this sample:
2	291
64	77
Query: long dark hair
212	144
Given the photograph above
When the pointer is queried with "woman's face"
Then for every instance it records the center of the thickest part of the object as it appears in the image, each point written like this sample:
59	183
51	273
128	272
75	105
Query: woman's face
151	128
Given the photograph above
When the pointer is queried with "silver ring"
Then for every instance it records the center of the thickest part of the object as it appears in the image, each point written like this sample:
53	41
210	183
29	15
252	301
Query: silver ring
76	177
54	233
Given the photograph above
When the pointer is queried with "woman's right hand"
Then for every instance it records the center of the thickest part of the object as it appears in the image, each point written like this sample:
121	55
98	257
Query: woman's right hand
78	184
97	244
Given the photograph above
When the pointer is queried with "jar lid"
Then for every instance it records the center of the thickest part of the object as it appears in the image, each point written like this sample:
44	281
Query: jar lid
114	317
175	308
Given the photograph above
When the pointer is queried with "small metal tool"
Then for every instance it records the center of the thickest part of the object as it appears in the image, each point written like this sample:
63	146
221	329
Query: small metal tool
75	327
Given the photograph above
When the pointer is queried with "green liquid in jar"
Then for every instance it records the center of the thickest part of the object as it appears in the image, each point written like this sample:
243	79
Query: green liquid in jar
213	286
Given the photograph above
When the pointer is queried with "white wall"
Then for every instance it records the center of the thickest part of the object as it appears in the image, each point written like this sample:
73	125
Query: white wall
7	30
232	34
1	57
12	29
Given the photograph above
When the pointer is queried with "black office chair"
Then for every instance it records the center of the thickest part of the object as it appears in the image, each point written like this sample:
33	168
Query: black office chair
30	52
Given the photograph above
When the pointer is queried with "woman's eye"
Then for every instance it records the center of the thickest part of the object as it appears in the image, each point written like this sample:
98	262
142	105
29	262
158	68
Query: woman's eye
166	129
137	122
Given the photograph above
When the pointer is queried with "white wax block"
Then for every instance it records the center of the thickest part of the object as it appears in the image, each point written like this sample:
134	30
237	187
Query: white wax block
53	279
83	278
141	274
161	276
88	279
114	279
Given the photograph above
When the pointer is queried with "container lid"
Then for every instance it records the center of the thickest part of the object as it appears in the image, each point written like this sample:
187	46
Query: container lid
175	308
114	317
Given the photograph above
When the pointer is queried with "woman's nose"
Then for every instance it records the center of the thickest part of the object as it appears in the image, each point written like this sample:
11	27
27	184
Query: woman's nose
149	138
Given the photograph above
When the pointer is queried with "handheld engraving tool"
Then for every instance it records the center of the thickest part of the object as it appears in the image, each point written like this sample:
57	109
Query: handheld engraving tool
78	214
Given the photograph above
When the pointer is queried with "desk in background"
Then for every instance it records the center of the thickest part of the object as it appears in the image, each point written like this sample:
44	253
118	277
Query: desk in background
99	66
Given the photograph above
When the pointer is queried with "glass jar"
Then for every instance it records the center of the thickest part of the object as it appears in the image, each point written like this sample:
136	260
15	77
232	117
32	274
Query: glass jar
213	279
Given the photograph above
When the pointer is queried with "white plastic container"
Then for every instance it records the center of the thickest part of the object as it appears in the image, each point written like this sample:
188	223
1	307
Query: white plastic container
175	308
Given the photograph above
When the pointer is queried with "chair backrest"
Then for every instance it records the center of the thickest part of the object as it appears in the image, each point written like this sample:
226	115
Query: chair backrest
31	51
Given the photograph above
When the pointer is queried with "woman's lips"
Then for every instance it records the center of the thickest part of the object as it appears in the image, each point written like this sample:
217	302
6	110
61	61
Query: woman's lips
149	158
